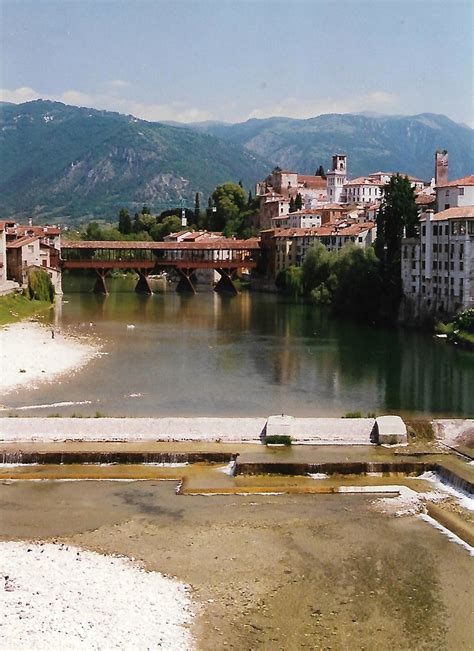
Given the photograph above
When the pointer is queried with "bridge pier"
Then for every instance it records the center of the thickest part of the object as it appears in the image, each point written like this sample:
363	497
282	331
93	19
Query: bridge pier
100	287
226	283
185	283
143	285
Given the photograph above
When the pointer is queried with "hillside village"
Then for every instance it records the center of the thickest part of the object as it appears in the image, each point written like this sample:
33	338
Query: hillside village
297	211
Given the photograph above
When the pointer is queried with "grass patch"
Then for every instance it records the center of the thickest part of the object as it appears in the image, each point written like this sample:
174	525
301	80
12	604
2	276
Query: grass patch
278	439
14	307
353	414
420	430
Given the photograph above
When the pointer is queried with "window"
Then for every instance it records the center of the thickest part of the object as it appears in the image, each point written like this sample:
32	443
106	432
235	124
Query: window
413	265
446	229
435	230
461	192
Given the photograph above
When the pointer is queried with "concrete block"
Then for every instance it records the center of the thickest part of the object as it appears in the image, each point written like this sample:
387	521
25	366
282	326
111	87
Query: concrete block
390	430
280	425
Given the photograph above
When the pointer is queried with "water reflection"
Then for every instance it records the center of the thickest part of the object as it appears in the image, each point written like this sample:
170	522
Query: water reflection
253	354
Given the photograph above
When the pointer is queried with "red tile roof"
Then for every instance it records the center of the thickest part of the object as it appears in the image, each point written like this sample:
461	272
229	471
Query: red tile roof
460	212
465	180
22	241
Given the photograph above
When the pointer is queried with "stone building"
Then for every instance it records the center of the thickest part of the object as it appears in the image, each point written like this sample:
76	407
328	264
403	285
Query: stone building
438	267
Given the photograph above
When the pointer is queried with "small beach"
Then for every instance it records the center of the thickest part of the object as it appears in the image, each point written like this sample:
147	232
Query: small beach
30	355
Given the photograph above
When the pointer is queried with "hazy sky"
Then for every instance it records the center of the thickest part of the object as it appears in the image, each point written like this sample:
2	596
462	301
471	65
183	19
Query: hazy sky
191	60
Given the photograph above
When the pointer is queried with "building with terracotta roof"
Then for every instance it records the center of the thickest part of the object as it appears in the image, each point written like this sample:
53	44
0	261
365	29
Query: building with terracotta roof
438	266
459	192
290	245
31	246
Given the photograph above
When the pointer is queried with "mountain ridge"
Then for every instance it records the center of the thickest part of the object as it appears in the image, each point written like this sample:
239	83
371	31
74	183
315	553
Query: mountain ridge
66	163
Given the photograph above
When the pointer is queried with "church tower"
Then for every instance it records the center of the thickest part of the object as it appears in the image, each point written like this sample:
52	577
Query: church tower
336	177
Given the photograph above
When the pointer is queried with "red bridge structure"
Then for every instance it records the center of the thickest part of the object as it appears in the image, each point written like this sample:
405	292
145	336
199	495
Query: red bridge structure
226	256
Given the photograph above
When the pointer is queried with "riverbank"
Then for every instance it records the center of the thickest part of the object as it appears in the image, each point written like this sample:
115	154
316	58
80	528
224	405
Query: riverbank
16	306
56	596
30	355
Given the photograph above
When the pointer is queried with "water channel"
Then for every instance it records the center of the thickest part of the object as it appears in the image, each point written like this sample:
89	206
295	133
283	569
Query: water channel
249	355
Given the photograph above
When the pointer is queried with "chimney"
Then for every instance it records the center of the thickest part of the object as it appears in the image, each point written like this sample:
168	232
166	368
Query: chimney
184	221
441	168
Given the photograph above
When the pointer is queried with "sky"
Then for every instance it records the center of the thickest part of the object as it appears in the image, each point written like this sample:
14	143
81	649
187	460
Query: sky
231	60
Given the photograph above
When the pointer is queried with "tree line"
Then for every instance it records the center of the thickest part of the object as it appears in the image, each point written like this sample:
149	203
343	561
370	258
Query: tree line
229	210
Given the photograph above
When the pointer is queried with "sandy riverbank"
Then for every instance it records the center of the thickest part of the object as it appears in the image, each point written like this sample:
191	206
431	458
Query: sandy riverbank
56	596
29	355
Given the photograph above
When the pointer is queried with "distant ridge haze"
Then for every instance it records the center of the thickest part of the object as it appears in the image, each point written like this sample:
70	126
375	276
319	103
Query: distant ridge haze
61	162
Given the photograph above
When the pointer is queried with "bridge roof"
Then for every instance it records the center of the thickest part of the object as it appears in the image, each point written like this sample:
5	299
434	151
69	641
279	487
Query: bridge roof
239	245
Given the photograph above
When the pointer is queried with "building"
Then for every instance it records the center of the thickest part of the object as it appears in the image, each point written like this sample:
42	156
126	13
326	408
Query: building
362	190
31	246
276	191
337	178
299	219
438	267
289	246
458	193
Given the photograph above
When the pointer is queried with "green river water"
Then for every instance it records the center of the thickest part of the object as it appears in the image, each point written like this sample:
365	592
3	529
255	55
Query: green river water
249	355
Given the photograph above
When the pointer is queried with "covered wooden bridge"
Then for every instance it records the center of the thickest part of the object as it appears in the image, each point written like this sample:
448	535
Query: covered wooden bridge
226	256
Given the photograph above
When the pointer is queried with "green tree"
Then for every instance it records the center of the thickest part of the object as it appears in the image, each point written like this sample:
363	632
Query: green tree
317	267
170	224
290	281
298	202
229	200
320	172
398	212
197	209
292	205
250	199
125	223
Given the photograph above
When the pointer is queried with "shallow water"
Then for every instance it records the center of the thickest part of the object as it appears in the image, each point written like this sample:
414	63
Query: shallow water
249	355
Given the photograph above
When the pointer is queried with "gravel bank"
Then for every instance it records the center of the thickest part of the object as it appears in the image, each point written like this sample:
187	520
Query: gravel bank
59	597
29	355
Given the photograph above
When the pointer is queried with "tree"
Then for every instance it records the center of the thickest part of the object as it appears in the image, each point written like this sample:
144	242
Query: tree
298	202
317	266
229	200
170	224
397	212
125	223
250	199
320	172
292	205
197	209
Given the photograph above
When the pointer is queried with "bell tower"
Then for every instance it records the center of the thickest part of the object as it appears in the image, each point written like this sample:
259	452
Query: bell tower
336	178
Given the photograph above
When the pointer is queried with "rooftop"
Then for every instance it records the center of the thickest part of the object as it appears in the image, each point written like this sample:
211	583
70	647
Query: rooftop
465	180
460	212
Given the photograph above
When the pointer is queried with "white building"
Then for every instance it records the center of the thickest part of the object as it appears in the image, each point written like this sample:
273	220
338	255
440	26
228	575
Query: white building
300	219
455	193
336	178
362	190
438	267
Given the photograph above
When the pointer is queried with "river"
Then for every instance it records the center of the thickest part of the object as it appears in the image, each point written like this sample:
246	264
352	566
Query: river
249	355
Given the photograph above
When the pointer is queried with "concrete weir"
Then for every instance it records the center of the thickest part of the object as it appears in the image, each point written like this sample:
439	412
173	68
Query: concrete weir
326	431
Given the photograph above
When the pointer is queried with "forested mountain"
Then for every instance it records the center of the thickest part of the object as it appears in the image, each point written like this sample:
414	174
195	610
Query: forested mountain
63	163
372	143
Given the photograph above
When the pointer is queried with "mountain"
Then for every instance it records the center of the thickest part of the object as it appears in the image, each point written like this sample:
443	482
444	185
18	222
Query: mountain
371	142
61	163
